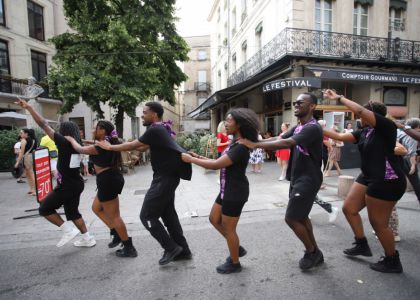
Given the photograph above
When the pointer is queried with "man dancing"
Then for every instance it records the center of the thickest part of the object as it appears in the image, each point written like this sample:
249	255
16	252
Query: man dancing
168	168
304	173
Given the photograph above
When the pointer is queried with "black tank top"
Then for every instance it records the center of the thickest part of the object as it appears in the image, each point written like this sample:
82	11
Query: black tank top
104	158
29	142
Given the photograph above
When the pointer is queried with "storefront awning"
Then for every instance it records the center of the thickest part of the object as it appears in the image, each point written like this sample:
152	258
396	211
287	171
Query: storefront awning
366	76
364	2
398	4
231	92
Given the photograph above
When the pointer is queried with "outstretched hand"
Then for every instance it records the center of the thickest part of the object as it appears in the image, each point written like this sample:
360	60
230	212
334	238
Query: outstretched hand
104	145
186	157
247	143
22	103
330	94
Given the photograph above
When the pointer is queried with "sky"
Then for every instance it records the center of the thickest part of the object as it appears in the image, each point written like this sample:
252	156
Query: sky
192	16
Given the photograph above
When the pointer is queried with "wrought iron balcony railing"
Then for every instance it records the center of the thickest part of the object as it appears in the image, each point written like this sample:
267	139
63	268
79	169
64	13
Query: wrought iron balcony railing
313	43
202	86
17	86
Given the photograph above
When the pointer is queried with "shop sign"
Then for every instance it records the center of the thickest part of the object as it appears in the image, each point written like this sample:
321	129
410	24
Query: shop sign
287	83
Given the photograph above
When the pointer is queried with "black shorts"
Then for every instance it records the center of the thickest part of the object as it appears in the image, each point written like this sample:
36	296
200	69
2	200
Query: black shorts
301	198
230	208
66	194
388	190
110	184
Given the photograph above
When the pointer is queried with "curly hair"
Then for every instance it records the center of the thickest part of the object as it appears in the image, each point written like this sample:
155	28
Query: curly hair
376	107
71	129
248	123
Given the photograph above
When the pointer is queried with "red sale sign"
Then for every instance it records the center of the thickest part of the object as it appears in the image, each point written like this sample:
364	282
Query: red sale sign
42	171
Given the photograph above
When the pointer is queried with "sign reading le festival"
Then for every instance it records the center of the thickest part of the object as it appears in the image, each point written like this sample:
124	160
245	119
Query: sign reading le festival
288	83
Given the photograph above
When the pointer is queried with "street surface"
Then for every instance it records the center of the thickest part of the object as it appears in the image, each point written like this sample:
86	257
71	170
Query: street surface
33	268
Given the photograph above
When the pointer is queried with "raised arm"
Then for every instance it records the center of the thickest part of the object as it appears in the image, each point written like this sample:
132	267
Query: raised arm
37	117
344	137
212	164
89	150
134	145
365	114
409	131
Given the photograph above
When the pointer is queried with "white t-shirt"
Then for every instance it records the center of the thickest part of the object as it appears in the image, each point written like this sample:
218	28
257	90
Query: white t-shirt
17	145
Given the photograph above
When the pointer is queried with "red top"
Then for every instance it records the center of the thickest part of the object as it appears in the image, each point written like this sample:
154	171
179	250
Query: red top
223	139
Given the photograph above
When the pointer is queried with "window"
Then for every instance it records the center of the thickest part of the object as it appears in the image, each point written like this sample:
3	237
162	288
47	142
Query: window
202	55
234	62
36	21
233	21
226	32
244	9
258	33
323	15
5	85
202	76
39	65
396	19
244	47
395	96
2	16
219	80
360	19
218	14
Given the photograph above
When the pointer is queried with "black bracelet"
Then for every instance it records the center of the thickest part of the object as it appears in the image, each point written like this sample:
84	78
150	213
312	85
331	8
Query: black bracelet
339	98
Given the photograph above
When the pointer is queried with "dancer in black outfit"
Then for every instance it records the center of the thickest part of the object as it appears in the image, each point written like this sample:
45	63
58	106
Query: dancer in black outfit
70	183
234	185
168	169
110	183
304	173
380	184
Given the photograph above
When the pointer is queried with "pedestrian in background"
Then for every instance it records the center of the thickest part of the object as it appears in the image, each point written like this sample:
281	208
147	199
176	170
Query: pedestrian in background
28	146
334	155
283	155
17	150
256	159
48	143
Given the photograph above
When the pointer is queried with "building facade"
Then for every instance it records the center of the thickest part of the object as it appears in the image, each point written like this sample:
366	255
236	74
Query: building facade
364	49
25	27
197	88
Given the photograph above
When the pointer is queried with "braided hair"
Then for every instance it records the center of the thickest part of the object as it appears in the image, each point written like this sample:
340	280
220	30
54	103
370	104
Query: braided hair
112	138
247	121
71	129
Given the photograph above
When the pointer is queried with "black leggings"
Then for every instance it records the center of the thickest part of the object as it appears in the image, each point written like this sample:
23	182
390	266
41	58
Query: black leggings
66	194
159	203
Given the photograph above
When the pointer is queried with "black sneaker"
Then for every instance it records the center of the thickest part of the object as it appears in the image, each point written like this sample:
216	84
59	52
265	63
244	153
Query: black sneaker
184	255
311	259
361	248
388	264
242	253
116	240
229	267
127	250
169	256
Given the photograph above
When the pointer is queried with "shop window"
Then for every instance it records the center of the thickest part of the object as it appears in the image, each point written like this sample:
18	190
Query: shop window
5	85
395	96
273	100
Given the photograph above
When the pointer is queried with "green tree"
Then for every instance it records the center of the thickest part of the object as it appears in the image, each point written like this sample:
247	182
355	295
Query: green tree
122	52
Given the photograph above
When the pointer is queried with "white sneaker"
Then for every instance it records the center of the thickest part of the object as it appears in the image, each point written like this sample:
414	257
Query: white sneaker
90	242
397	238
280	178
68	236
332	216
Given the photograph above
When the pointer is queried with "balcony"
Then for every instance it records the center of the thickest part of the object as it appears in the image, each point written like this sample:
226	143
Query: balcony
329	45
202	87
16	87
397	25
